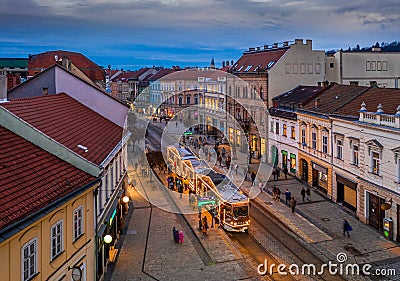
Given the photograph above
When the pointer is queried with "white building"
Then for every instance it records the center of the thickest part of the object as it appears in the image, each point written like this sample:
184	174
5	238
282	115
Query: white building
364	68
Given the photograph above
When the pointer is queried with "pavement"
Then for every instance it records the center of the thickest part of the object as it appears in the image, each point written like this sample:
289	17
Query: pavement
148	251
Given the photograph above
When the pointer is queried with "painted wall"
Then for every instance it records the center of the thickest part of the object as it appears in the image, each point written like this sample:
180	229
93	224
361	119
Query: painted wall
76	253
310	66
91	97
34	86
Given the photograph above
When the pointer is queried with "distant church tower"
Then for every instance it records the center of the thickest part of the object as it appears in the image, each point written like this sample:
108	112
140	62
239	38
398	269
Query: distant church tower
212	65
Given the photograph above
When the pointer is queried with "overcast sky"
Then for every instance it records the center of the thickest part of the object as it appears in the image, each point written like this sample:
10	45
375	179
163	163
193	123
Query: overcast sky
131	34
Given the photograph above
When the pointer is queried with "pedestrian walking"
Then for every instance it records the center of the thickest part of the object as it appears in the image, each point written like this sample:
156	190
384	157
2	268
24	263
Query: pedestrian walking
346	228
176	124
293	204
285	172
181	237
253	177
228	162
274	192
223	152
308	193
175	234
303	193
288	196
260	186
278	194
278	173
220	160
236	167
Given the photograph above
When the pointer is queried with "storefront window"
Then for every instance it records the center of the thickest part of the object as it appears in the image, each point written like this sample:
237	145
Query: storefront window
292	163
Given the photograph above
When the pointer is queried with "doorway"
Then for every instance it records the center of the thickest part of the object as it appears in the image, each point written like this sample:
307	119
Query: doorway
340	192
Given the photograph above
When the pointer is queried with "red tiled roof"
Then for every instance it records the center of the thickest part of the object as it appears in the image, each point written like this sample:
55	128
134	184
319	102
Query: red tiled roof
252	61
31	178
163	72
123	76
388	97
137	73
334	98
70	123
44	60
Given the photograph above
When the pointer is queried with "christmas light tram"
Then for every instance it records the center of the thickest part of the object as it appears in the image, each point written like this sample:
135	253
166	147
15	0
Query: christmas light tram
215	192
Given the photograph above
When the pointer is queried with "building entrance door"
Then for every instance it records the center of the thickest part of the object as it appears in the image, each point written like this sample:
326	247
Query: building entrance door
304	170
376	214
340	192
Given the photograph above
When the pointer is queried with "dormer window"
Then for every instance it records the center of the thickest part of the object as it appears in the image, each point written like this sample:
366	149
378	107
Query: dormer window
248	68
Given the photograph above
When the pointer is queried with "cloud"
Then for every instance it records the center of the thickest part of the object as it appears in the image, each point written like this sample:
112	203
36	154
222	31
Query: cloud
209	26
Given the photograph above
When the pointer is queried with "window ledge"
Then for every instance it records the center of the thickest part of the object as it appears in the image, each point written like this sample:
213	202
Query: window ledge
79	237
55	257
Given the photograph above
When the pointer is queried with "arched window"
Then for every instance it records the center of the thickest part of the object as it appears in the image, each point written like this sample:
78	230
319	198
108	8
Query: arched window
196	99
180	98
188	101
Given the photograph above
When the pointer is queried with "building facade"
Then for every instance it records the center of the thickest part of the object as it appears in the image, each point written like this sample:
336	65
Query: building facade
365	68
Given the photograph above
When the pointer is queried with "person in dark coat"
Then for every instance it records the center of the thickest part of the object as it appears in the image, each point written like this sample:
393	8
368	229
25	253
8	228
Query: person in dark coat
285	172
175	234
288	196
346	228
303	193
253	177
293	204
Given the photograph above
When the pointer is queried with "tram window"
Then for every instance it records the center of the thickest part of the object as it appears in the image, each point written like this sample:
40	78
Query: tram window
240	211
228	209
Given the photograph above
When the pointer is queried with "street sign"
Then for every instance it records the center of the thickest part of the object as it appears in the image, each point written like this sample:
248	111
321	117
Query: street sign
201	201
388	228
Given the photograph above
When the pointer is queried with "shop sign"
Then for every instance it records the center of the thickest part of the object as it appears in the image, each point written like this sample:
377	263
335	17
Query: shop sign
112	217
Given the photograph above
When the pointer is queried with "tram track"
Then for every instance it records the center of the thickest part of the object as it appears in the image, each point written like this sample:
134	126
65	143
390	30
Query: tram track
279	246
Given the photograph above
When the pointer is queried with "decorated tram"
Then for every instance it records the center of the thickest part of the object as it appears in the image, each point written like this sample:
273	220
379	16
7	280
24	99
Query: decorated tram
215	191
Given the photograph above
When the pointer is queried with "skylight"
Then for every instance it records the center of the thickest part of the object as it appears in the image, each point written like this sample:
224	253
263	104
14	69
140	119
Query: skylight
248	68
240	68
270	64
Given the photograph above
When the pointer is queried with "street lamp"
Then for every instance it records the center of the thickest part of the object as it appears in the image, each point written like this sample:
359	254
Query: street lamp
108	239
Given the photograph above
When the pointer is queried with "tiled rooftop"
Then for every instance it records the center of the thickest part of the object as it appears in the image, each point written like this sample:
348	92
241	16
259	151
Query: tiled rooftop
299	95
251	62
31	178
334	98
47	59
388	97
70	123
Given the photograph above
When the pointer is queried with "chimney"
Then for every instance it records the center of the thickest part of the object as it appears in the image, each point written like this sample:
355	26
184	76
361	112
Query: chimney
275	45
252	49
286	43
231	62
3	85
227	63
309	43
265	47
325	84
319	84
258	48
298	41
45	91
223	64
317	103
66	63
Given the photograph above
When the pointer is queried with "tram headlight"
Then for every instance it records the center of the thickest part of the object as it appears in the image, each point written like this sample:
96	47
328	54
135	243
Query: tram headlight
234	223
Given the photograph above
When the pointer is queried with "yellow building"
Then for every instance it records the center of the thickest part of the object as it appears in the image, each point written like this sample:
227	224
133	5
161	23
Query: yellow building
315	152
47	214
